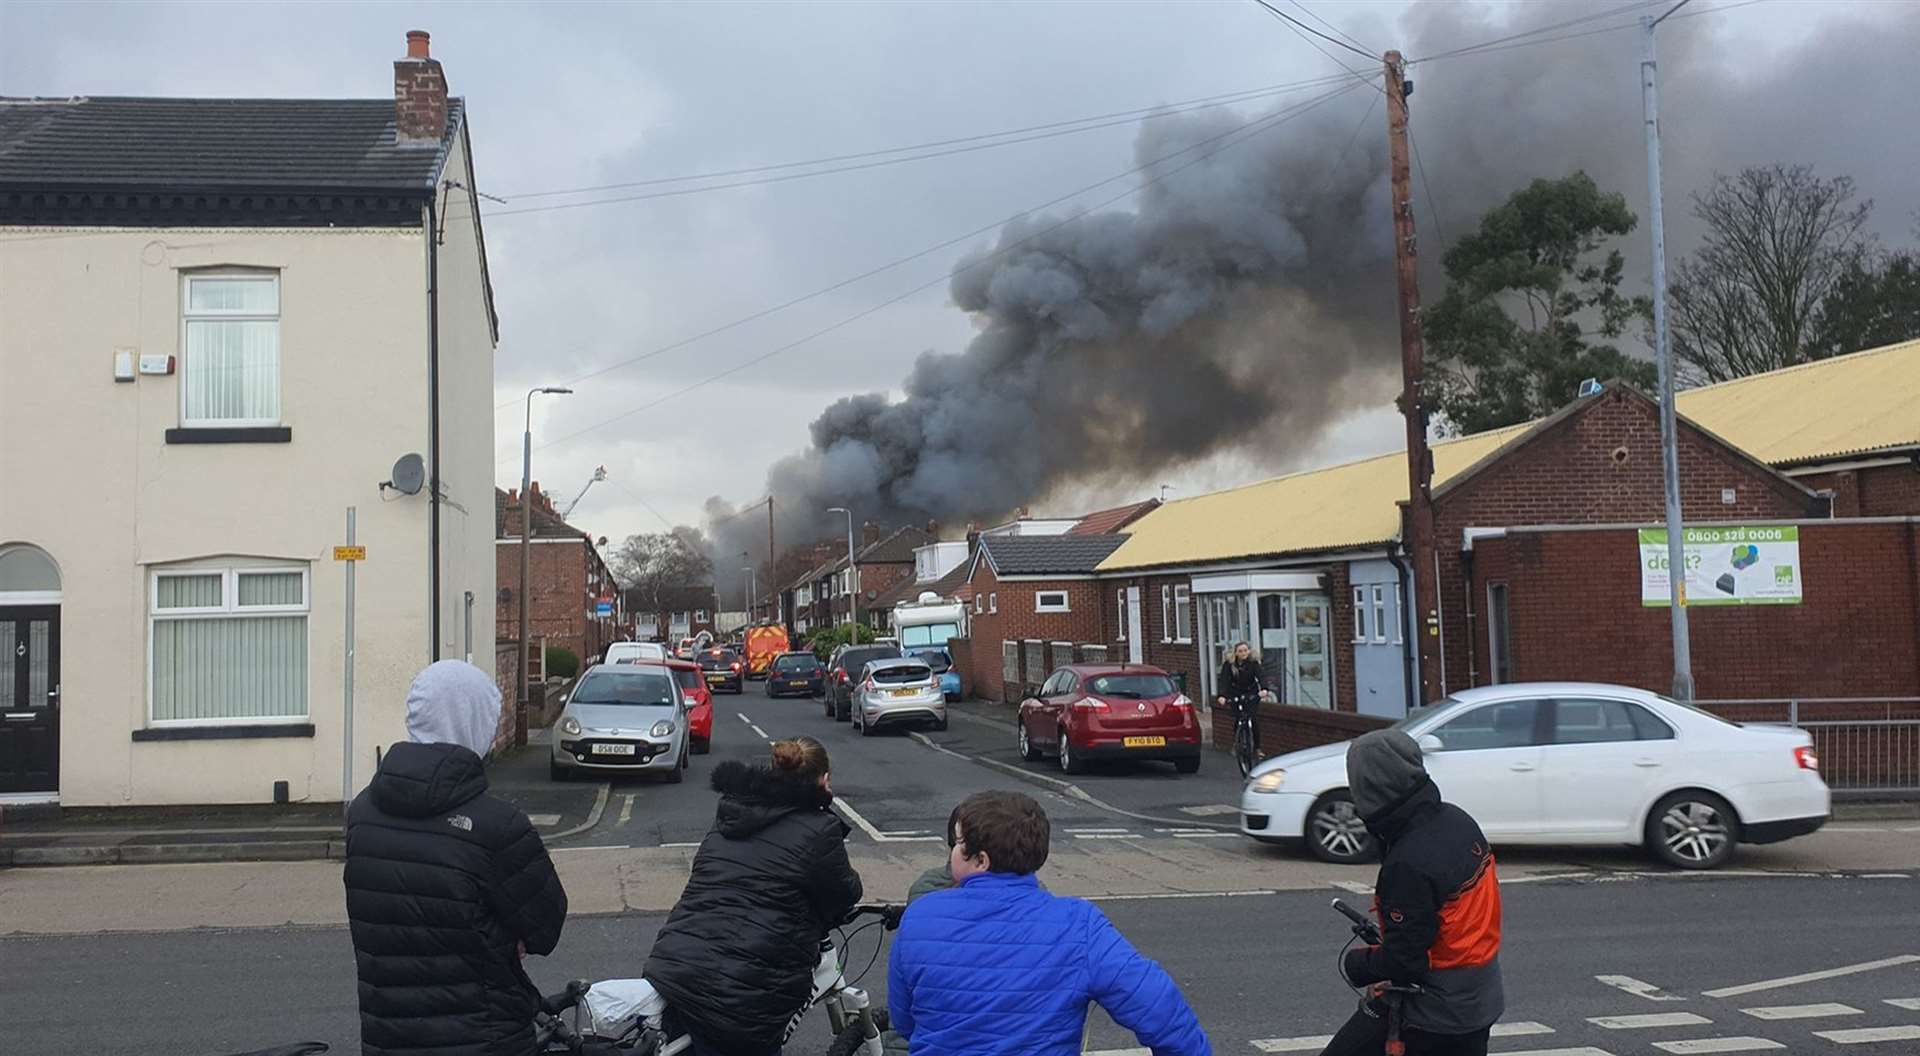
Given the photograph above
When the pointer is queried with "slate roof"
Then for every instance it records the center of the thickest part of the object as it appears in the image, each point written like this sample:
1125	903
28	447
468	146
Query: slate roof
897	548
1041	555
193	144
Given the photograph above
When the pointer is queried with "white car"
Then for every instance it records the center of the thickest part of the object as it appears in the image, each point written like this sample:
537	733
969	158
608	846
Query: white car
1568	763
634	652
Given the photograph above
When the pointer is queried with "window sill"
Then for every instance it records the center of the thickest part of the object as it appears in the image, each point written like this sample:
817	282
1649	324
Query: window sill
265	434
224	733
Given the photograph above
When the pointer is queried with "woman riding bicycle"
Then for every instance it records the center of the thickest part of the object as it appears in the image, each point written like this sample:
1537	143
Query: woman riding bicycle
735	959
1240	684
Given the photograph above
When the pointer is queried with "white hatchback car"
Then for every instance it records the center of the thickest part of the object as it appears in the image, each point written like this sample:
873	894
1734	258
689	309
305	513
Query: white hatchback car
1568	763
634	652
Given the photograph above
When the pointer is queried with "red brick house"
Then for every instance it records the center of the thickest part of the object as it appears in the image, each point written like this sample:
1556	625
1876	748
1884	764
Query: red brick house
566	579
674	613
1025	593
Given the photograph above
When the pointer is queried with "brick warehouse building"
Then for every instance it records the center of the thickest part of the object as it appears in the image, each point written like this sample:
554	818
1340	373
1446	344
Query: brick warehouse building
1309	569
566	576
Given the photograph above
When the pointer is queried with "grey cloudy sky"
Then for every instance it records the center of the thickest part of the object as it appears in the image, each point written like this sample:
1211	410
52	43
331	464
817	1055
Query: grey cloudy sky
571	95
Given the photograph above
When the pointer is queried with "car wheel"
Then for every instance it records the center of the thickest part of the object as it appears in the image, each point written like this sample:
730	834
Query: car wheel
679	771
556	772
1069	762
866	728
940	724
702	745
843	712
1335	831
1187	766
1027	750
1693	830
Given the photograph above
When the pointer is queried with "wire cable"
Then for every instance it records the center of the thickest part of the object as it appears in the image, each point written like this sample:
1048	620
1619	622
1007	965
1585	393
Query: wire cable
1485	49
1433	204
1356	40
1297	24
1596	16
1245	131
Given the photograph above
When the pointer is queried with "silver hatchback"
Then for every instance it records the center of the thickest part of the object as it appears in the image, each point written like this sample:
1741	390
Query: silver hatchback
629	718
900	691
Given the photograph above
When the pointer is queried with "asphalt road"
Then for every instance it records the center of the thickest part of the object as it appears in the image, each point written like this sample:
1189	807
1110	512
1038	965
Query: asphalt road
1257	969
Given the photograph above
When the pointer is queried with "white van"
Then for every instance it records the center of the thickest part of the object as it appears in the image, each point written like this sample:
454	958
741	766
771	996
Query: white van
631	652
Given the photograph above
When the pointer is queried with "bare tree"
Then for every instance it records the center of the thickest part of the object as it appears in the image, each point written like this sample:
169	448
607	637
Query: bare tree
1778	239
650	564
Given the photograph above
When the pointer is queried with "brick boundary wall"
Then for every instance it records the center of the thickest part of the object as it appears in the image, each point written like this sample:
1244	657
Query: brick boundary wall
1285	728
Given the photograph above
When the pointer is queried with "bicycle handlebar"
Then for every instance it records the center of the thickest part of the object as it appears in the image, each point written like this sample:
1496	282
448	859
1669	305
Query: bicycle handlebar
888	912
1363	926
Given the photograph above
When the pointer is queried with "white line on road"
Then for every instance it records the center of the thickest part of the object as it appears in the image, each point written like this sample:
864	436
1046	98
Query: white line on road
626	809
1649	1020
1909	1003
1353	886
1095	830
1207	810
593	816
1312	1044
1638	988
1712	1045
1158	895
595	847
872	830
544	821
1066	787
1579	1050
743	717
1524	1028
695	843
1206	835
758	730
1868	1035
1825	1008
1810	977
1542	878
1106	835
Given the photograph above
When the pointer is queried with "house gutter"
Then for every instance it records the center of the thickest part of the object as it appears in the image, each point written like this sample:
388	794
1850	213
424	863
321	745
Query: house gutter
1407	654
433	426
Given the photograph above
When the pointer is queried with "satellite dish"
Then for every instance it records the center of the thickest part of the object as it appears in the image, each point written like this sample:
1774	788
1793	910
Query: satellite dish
409	475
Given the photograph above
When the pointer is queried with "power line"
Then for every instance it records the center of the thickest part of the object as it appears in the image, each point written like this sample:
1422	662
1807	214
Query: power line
1671	10
869	273
1596	16
1336	29
1486	49
1250	129
1433	204
1296	23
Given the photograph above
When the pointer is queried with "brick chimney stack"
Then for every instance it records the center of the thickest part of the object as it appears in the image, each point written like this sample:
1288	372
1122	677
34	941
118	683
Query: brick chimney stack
419	94
869	534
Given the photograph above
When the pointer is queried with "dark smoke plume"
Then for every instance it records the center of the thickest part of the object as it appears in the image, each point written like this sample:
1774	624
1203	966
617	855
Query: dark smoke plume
1247	303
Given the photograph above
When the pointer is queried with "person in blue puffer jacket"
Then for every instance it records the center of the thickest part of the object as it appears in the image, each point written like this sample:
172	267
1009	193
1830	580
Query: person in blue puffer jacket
994	964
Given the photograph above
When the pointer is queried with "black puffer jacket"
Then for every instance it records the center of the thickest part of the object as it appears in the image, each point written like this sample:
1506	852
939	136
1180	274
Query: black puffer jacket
1240	683
735	959
443	881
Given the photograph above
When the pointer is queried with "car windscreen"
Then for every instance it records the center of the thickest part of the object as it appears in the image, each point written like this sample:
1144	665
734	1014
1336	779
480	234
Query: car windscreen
930	634
939	661
855	659
804	664
653	688
903	673
1133	687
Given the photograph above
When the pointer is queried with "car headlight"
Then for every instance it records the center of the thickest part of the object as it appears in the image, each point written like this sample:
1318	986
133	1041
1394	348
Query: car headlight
570	726
663	728
1269	781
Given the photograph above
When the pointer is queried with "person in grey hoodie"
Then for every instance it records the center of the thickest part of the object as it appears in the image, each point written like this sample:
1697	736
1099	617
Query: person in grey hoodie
1437	900
447	887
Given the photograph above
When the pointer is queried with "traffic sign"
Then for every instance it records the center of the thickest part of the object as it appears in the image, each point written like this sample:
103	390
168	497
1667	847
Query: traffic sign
349	553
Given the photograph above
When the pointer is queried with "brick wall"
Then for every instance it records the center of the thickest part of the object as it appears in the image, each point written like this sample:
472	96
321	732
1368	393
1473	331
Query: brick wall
558	597
1016	620
1576	614
506	675
961	649
1878	491
1598	466
878	579
1284	728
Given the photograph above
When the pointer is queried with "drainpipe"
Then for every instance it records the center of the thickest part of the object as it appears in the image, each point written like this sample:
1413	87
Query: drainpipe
1466	575
433	428
1408	648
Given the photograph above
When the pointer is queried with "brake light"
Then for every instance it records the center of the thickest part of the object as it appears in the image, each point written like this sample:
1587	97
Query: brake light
1805	757
736	667
841	674
1181	703
1089	704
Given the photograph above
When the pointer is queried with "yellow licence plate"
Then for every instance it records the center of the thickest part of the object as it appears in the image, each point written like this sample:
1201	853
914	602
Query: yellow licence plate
902	692
1144	742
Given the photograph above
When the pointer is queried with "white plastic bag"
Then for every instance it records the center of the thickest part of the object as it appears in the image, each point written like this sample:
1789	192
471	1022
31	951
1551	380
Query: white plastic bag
616	1006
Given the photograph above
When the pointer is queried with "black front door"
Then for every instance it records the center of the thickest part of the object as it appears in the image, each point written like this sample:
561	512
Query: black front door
30	699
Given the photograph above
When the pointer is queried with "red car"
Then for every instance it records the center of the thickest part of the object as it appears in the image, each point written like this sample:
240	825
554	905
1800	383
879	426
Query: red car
1110	711
693	686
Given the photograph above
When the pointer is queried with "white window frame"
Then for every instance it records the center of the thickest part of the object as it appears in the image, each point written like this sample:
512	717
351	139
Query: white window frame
1183	631
1120	614
1039	606
1400	612
229	607
1359	614
187	279
993	602
1379	593
1166	612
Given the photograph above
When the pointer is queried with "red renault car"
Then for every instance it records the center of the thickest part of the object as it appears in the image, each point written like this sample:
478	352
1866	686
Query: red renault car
1110	711
693	686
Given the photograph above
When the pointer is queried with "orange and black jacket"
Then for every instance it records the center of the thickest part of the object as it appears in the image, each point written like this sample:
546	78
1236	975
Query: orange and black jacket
1438	902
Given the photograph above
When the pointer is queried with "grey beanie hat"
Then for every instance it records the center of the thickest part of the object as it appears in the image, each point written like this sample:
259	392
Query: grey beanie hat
1383	768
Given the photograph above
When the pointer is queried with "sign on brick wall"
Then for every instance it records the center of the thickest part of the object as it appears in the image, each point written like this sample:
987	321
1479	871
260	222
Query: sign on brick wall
1751	564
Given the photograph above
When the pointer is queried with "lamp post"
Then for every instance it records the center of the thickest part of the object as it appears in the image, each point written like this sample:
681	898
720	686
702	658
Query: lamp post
526	545
852	634
752	588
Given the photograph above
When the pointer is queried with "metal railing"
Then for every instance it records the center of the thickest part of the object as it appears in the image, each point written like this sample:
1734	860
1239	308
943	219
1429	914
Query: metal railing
1867	745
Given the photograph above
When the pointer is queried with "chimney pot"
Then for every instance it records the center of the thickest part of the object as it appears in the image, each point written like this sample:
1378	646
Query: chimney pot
419	94
417	43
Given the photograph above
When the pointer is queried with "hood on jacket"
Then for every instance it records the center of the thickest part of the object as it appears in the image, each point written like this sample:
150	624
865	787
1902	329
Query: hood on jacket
453	702
1384	768
754	797
421	780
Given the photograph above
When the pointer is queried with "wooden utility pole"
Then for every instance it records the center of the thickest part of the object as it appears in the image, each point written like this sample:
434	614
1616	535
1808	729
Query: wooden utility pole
1422	557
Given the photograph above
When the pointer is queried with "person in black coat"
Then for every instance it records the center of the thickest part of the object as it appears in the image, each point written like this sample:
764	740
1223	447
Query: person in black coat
735	959
447	886
1240	684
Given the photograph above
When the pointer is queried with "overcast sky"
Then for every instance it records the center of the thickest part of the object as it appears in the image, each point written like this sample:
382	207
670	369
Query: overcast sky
572	95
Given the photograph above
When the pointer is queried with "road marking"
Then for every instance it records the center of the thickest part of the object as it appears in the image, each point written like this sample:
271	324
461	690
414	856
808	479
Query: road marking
1066	787
1638	988
1580	1050
595	847
758	730
743	717
1827	1008
1120	1052
1868	1035
1522	1029
1095	830
1158	895
1206	835
544	821
1910	1003
1649	1020
593	816
1810	977
1106	835
1353	886
872	830
1705	1045
626	809
1207	810
1501	1030
695	843
1542	878
1312	1044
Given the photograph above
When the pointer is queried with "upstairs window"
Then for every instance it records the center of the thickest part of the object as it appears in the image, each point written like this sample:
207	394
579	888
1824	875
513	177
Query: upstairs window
230	362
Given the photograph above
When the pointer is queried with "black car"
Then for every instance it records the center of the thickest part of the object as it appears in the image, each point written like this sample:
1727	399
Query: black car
844	670
724	670
800	674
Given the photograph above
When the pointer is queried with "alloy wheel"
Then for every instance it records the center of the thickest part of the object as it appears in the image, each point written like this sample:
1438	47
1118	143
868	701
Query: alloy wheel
1338	832
1694	832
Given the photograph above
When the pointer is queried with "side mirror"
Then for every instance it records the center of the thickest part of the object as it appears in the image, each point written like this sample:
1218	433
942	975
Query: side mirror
1430	744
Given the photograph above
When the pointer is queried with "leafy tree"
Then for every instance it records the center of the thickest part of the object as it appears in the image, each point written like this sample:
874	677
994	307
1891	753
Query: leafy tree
824	643
650	564
1779	241
1875	302
1511	339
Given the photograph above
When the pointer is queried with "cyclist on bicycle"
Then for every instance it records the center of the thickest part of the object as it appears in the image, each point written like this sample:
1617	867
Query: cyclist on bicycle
735	959
1240	684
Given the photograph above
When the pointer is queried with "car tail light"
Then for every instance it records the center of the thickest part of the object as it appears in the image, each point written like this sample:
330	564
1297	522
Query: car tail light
1806	758
736	667
1089	704
1181	703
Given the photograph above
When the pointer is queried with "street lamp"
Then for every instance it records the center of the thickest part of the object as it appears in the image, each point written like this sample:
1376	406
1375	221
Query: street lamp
752	588
852	597
526	544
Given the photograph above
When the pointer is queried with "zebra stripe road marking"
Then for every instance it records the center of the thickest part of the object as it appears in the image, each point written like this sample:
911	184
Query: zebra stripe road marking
1811	977
1827	1008
1648	1021
1869	1035
1699	1046
1910	1003
1638	988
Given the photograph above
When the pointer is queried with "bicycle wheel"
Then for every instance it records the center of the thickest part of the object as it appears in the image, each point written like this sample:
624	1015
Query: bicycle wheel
1245	752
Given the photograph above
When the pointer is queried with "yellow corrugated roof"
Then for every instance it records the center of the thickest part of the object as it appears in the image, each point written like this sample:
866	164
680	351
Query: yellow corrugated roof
1866	401
1861	402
